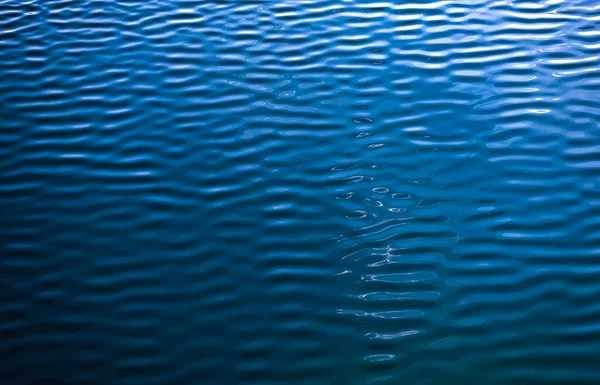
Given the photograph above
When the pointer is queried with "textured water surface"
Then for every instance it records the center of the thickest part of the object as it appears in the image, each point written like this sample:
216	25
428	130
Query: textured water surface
299	192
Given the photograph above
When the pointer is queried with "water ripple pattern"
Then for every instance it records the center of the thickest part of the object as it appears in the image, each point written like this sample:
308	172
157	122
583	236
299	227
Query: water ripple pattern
299	192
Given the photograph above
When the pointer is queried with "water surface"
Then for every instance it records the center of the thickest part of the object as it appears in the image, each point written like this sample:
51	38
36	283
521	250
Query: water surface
299	192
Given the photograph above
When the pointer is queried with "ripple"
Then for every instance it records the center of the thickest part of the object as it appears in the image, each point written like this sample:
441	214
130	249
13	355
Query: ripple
299	192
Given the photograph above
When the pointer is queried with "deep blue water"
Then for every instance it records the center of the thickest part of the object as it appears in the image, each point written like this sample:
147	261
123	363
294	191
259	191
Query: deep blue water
299	192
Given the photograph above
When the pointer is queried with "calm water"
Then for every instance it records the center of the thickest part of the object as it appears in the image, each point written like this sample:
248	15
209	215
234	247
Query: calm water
299	192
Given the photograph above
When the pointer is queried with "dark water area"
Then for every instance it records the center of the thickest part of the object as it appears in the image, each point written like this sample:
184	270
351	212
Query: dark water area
299	192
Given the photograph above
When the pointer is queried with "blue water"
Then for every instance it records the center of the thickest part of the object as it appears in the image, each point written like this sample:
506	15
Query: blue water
299	192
